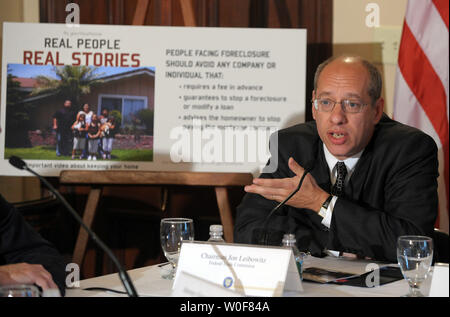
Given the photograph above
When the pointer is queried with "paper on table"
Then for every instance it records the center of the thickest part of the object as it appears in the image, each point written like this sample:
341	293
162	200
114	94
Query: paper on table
439	283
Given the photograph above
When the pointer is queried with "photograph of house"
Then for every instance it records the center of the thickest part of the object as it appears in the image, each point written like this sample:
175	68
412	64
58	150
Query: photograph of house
36	93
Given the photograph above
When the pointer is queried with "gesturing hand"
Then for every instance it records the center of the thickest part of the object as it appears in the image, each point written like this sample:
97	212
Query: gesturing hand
310	195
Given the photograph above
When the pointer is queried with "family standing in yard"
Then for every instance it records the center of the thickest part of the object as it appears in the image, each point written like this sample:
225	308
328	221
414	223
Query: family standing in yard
83	135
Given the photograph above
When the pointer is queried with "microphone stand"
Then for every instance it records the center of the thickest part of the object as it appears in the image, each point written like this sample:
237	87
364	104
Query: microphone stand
265	238
123	275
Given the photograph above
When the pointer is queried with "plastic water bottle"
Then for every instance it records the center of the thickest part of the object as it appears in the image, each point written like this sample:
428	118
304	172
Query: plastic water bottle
216	233
289	242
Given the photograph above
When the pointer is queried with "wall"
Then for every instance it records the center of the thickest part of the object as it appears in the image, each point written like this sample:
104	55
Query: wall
350	35
18	188
377	44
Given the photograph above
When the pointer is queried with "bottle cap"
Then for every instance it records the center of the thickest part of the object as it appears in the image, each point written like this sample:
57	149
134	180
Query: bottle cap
53	292
216	228
289	237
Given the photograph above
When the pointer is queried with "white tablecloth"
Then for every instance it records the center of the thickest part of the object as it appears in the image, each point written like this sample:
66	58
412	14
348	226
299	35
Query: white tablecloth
148	282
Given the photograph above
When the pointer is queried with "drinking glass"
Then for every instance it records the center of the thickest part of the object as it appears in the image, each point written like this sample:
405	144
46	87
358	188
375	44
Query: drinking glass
173	231
20	290
414	255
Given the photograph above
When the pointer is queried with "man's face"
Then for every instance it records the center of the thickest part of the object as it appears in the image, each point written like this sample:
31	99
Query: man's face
67	103
345	134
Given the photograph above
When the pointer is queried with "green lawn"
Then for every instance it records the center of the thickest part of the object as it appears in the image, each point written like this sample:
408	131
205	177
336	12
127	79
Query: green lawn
49	153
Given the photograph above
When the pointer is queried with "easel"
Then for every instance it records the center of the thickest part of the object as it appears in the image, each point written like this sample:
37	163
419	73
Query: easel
98	179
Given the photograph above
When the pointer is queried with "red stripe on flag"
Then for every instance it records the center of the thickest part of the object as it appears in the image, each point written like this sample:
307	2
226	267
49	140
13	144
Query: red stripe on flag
423	82
442	7
428	89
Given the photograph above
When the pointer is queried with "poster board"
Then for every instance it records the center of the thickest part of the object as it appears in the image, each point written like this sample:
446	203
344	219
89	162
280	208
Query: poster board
185	99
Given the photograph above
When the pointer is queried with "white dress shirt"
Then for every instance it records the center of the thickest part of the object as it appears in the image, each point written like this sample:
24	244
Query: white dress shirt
350	164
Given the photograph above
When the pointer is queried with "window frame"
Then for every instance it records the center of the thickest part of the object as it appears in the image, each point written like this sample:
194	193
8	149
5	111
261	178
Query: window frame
122	97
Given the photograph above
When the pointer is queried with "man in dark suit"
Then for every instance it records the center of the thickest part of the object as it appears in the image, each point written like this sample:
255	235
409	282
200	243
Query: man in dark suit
373	179
63	120
25	257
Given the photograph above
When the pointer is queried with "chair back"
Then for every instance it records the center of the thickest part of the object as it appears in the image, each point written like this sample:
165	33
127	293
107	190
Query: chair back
441	246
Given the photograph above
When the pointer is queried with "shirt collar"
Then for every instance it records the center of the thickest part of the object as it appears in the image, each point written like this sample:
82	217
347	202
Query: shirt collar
349	162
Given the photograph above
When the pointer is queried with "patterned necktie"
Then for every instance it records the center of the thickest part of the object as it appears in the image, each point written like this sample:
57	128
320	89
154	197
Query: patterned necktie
338	187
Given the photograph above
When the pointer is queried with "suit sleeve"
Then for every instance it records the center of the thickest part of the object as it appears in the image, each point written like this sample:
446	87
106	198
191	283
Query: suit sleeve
254	208
19	242
410	203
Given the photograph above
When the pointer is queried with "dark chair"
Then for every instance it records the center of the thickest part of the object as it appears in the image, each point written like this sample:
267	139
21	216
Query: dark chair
46	216
39	213
441	246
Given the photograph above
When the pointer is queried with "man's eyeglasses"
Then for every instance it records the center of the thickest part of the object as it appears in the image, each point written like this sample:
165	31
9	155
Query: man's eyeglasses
349	106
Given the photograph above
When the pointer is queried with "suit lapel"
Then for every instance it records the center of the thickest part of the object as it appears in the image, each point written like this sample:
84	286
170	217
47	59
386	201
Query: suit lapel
354	188
321	171
362	169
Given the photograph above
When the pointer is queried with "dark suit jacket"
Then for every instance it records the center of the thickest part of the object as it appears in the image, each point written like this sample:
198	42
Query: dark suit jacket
392	192
19	242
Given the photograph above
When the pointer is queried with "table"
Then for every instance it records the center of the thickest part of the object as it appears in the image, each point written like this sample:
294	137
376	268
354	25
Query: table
148	282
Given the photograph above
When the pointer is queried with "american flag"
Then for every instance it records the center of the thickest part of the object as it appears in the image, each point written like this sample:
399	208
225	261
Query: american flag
421	92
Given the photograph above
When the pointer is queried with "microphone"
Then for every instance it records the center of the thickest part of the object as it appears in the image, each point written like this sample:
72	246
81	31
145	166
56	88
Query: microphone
17	162
124	277
264	240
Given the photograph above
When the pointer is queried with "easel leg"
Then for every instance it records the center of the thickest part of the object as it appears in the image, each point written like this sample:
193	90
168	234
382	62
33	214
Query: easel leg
225	213
88	218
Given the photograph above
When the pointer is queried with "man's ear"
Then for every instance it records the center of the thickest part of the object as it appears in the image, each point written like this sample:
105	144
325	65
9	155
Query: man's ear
313	111
379	107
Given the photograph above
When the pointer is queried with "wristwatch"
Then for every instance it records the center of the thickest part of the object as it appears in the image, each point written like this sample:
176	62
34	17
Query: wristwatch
323	209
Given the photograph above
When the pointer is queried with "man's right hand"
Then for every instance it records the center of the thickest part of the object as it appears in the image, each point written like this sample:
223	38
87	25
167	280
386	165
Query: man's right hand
24	273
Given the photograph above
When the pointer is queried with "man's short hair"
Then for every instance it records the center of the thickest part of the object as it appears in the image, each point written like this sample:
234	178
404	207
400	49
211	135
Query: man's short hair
375	83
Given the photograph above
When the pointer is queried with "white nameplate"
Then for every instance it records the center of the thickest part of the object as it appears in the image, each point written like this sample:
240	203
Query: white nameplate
245	269
439	283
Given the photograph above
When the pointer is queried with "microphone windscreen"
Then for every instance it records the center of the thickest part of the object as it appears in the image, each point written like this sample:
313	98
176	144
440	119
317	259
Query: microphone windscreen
17	162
